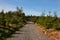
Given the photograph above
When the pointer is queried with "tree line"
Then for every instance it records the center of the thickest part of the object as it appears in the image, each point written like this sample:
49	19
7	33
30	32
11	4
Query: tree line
47	21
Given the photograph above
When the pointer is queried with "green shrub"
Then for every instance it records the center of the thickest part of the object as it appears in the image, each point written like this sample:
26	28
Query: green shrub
48	26
57	28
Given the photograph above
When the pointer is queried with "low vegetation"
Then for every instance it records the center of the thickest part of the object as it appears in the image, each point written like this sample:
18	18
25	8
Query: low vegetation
48	22
10	22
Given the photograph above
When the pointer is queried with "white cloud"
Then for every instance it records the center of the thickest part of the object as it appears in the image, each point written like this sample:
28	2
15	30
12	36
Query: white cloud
7	7
32	12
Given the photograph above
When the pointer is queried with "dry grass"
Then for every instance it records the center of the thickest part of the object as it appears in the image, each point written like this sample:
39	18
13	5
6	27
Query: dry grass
51	33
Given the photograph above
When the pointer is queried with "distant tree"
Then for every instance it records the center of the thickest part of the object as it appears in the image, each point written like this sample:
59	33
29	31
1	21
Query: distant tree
43	14
19	9
55	14
49	13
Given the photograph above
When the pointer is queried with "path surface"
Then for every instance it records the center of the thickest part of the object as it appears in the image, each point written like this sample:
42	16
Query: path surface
29	32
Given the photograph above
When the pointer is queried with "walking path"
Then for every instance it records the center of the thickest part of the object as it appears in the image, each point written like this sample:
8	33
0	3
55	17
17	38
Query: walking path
29	32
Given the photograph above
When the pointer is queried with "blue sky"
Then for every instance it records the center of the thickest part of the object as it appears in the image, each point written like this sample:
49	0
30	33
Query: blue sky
32	7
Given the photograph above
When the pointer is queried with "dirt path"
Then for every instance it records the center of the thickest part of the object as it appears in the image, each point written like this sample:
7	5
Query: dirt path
29	32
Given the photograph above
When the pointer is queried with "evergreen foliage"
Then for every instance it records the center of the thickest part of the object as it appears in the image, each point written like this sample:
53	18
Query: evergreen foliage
49	21
10	22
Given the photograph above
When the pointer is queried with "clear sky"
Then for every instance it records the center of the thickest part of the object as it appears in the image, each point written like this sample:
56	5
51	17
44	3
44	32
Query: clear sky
32	7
